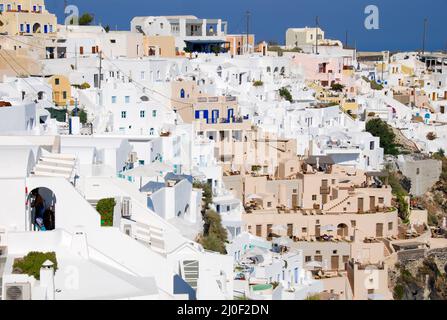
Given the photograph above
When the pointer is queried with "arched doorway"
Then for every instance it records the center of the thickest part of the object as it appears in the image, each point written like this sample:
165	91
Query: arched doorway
41	210
37	28
342	230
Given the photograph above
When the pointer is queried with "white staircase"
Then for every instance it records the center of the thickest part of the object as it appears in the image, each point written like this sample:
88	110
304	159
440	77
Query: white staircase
55	165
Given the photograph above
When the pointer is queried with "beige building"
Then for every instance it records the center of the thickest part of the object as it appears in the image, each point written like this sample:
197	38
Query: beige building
298	37
25	17
160	46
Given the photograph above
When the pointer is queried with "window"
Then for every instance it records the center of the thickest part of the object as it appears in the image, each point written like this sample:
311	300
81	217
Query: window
319	258
127	99
154	113
113	99
318	252
182	93
56	81
308	259
390	226
295	190
112	40
371	145
2	7
22	26
51	28
381	200
334	252
269	204
151	131
314	197
142	114
64	95
303	230
123	114
143	75
19	7
418	171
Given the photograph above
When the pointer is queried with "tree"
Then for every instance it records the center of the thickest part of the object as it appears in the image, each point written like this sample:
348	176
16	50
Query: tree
106	207
337	87
379	128
86	19
32	262
81	114
207	194
214	234
285	94
107	28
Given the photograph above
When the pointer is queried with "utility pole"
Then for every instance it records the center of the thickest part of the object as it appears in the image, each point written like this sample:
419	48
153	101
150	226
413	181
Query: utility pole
316	34
76	57
424	36
248	29
100	70
346	40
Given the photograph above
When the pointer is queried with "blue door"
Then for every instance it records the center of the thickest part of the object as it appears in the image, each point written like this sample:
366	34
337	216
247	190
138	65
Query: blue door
199	113
230	115
215	116
28	28
45	29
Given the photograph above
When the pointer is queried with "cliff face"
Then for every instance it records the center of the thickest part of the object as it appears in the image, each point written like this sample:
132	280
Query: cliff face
423	279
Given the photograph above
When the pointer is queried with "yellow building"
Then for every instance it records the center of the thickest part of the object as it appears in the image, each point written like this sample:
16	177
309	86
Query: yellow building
238	43
159	46
61	90
26	17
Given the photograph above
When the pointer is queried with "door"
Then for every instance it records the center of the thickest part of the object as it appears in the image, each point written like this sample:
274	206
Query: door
372	204
259	230
230	115
81	50
215	116
335	262
360	205
45	29
290	230
317	231
294	201
379	230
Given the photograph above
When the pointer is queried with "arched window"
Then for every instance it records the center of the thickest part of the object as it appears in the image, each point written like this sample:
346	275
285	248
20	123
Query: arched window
182	93
151	132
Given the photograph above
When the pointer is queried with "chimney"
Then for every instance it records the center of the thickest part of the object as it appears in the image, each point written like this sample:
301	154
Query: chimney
79	244
47	279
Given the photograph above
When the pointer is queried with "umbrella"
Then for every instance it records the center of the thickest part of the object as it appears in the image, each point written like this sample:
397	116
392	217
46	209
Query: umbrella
159	166
328	228
314	264
142	171
279	228
254	197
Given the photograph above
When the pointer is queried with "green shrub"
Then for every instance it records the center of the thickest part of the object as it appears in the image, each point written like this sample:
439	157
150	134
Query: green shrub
214	234
105	207
285	94
381	129
258	83
32	262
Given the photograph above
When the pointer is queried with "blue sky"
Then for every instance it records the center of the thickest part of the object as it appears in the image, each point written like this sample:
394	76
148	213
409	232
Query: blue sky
401	21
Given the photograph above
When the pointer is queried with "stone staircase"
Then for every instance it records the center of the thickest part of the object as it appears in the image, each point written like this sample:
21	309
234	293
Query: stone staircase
55	165
337	204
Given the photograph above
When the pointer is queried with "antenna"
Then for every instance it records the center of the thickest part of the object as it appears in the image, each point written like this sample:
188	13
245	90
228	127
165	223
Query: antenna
316	34
346	39
248	27
424	36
